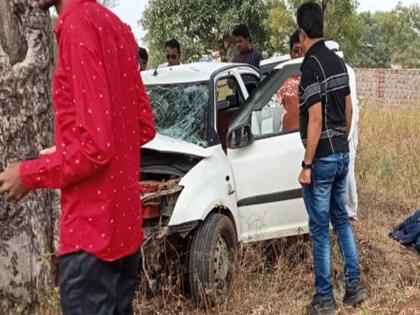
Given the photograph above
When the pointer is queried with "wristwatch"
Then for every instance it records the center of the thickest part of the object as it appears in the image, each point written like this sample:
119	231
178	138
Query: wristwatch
306	166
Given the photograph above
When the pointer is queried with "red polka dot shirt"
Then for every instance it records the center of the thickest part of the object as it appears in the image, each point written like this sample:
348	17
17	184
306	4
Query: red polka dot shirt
102	118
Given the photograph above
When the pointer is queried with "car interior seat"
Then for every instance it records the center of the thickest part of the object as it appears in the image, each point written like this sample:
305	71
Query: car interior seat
225	116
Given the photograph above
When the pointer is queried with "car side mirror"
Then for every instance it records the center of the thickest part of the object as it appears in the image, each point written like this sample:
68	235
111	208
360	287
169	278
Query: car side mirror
240	137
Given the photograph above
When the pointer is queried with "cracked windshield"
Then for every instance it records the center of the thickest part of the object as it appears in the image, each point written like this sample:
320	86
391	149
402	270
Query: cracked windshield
180	110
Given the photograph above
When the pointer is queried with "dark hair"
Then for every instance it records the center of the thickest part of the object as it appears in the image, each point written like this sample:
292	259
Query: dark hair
142	52
173	43
311	19
241	30
294	38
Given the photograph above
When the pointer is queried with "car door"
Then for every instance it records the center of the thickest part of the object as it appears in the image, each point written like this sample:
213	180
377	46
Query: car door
269	197
230	93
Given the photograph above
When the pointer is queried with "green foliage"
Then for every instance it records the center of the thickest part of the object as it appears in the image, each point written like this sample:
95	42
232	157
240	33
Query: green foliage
374	52
280	24
200	25
368	40
342	24
402	34
391	38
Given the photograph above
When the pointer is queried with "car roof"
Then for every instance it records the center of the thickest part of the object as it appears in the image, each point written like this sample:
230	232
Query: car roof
267	65
275	59
192	72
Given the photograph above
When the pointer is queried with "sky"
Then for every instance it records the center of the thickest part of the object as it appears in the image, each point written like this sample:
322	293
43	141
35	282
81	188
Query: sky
130	11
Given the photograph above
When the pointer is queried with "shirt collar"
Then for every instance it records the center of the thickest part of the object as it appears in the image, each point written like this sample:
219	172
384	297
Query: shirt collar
72	4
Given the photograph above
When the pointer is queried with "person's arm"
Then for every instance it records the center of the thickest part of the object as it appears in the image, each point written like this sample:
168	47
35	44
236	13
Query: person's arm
90	117
311	96
314	132
348	113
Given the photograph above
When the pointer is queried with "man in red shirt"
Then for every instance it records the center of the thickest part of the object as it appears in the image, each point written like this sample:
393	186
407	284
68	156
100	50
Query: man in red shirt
102	118
288	94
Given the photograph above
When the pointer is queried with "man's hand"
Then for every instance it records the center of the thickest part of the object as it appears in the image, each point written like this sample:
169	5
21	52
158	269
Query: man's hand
305	177
47	151
11	184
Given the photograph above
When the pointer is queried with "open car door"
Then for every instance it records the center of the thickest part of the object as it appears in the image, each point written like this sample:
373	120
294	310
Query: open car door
266	162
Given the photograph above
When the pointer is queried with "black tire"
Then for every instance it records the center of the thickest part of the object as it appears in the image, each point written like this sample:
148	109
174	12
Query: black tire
212	260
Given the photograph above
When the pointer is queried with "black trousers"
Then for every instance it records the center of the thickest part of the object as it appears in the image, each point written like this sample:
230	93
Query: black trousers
89	286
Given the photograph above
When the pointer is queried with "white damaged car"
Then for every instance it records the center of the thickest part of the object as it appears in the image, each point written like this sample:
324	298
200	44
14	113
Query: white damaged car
220	172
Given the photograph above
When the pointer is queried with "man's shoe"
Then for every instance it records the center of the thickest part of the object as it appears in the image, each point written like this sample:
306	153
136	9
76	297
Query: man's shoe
321	307
355	294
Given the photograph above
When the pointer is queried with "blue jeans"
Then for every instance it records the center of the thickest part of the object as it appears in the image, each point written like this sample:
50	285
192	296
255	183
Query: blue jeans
325	200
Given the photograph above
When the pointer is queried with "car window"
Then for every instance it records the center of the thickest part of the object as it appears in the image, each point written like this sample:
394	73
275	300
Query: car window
251	82
268	120
180	110
228	93
281	113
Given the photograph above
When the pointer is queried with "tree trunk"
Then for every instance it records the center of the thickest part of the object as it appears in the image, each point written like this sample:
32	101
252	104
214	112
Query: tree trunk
26	125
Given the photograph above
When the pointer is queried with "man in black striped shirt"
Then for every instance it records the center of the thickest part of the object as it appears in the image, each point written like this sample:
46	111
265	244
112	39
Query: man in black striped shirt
246	53
325	118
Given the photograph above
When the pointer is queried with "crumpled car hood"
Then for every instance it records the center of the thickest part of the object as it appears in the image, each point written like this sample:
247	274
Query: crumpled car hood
163	143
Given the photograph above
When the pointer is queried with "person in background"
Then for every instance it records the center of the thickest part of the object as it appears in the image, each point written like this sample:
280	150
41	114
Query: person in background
325	121
173	54
102	118
246	52
288	94
351	191
143	58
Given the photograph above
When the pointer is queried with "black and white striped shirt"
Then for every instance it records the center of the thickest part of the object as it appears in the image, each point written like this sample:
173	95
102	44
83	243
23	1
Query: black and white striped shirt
325	79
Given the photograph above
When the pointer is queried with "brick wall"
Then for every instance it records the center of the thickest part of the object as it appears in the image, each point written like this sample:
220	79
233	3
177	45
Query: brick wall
389	87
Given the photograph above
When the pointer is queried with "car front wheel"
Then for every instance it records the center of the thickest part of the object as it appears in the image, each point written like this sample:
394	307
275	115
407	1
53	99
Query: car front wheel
212	259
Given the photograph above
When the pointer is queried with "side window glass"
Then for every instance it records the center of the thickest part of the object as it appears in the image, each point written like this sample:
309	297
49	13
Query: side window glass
227	94
268	120
251	82
228	101
281	113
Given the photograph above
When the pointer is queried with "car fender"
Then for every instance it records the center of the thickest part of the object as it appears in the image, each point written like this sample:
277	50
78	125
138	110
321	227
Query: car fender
207	186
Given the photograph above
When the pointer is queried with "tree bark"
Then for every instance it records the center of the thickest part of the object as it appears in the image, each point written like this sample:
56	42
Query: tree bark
26	125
